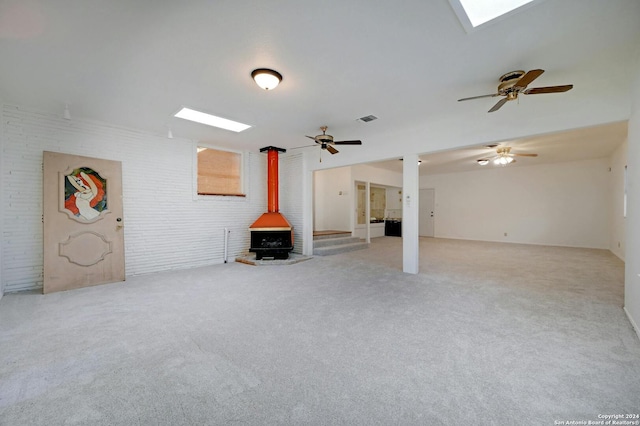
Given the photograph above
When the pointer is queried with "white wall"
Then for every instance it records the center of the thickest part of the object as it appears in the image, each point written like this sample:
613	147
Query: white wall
394	202
166	227
632	264
333	199
375	175
2	197
333	210
618	161
564	204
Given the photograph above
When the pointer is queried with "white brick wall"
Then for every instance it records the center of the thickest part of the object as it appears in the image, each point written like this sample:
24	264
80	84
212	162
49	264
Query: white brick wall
166	227
291	206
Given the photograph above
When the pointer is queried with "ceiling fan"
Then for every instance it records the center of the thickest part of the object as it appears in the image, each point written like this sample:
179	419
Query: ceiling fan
326	141
514	83
504	156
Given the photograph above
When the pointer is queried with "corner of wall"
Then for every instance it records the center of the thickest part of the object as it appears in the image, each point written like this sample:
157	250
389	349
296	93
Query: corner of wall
632	234
617	161
633	323
2	142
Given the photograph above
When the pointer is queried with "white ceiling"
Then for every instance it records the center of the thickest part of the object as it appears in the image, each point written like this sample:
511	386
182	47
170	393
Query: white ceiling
135	63
573	145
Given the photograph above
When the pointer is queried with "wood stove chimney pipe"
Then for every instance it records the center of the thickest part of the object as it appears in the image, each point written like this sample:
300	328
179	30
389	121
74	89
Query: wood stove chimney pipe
272	177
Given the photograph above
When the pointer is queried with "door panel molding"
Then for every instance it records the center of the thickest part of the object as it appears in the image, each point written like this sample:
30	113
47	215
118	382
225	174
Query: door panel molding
75	248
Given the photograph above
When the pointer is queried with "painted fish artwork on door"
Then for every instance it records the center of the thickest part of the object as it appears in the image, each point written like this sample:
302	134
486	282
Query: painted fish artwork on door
85	193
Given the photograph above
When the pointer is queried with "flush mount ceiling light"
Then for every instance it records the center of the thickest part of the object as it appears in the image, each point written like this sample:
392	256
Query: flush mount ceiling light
210	120
267	79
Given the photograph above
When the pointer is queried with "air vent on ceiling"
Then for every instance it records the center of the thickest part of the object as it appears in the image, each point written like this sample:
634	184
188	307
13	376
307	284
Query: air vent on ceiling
368	118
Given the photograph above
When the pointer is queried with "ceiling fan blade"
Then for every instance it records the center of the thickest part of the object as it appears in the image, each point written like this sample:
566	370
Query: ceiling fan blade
524	154
311	137
332	149
550	89
347	142
478	97
498	105
526	79
299	147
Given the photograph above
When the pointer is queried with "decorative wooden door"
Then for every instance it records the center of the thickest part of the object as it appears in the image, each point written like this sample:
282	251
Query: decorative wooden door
83	223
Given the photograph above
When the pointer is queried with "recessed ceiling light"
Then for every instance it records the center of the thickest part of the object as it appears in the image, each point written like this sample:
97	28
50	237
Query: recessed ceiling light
483	161
210	120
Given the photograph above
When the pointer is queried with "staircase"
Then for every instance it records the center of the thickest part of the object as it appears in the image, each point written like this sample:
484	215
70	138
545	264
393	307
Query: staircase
325	245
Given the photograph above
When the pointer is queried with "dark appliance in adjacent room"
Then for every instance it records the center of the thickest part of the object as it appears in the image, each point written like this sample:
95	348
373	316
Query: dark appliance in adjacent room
393	228
271	234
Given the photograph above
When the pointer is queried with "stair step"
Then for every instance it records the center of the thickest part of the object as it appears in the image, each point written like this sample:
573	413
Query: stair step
324	242
331	236
342	248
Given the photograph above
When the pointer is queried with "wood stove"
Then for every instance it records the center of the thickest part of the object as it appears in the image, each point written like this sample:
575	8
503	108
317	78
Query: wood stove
271	234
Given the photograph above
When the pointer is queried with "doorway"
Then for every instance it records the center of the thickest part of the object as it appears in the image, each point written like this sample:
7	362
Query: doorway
426	226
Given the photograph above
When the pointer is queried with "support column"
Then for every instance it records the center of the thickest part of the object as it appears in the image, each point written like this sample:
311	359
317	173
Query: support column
410	208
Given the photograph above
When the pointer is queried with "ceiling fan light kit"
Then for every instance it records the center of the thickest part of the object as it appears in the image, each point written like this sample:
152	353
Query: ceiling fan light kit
514	83
504	157
503	161
266	78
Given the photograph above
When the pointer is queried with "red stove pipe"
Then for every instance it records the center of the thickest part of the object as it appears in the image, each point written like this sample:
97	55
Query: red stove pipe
272	180
272	177
271	233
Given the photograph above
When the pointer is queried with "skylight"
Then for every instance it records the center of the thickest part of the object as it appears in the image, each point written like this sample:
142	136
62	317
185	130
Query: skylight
481	11
210	120
473	13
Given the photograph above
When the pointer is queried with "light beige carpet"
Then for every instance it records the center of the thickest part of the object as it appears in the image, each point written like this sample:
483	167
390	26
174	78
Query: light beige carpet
486	334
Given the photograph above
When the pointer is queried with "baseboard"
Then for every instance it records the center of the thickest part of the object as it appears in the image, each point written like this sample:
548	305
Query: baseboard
618	255
633	323
526	243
